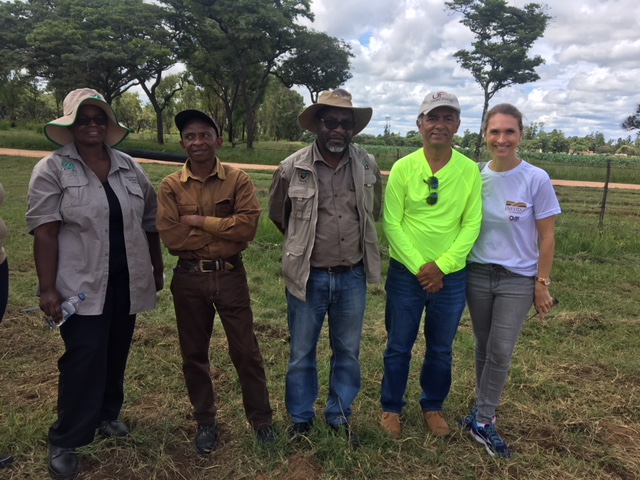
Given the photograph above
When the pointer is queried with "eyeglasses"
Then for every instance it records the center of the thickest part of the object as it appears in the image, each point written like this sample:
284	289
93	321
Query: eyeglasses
333	124
432	183
554	302
98	120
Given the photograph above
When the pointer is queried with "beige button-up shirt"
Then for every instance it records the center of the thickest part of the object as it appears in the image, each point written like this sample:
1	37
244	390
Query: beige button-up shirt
63	189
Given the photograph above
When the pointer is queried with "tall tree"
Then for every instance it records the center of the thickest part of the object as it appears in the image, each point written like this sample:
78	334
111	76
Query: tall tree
503	37
109	45
633	121
278	116
236	44
318	62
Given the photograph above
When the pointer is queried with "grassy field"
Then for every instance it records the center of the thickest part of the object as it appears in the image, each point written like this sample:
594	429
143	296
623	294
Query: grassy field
571	409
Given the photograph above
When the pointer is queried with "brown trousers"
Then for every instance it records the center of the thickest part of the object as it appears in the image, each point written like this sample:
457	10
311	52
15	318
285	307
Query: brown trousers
196	297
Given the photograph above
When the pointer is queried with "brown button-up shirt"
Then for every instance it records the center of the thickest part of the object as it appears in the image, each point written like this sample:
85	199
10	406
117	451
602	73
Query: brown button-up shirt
226	198
338	228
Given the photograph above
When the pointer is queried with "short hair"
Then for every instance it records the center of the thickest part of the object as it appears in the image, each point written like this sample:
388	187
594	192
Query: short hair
504	109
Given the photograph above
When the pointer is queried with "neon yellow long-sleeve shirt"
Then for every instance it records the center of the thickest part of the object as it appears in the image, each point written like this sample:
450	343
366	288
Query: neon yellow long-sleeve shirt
419	233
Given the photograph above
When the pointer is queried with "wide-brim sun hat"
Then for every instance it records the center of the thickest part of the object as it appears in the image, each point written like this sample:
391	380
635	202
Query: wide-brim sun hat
58	130
338	98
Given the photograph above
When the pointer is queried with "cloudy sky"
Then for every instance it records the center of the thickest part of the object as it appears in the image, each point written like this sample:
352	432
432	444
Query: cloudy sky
404	49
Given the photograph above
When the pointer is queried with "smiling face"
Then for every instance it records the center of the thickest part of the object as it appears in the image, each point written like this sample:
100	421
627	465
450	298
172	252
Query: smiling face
503	135
439	126
200	141
90	126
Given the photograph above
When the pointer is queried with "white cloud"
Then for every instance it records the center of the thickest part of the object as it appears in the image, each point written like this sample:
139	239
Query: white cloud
588	82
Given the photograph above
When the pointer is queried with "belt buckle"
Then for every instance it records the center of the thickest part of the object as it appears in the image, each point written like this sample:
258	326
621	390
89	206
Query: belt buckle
204	270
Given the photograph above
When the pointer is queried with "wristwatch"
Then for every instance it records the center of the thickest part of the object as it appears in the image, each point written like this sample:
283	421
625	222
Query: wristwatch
545	281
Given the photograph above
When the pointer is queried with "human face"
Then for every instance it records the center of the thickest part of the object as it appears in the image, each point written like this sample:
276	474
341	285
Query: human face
439	126
337	139
503	135
200	141
91	133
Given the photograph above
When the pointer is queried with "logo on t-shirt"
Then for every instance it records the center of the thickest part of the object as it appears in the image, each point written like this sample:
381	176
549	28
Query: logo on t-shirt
515	207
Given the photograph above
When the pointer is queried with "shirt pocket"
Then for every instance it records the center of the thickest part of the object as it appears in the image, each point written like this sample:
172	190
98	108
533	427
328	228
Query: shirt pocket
75	191
224	208
301	202
188	209
136	198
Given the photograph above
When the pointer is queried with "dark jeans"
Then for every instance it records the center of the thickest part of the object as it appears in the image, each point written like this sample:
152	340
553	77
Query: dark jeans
91	382
197	296
4	287
406	303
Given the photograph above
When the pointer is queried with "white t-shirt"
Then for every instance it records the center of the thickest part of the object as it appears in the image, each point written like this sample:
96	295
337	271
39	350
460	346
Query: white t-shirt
512	201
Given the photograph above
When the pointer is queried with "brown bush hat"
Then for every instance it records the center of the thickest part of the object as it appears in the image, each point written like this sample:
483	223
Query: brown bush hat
58	130
339	98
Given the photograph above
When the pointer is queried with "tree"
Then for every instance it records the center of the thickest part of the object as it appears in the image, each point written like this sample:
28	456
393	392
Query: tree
278	116
236	45
633	121
318	62
503	36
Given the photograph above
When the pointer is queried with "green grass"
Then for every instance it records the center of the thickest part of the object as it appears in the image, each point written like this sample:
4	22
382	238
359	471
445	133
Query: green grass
570	410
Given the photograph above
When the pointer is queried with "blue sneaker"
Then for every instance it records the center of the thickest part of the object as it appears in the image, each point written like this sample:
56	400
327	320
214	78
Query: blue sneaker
470	419
488	436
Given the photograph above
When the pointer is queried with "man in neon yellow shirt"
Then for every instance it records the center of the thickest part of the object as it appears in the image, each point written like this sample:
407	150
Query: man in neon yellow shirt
432	215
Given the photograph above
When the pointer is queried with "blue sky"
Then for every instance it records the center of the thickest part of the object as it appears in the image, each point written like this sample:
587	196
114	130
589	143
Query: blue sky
404	49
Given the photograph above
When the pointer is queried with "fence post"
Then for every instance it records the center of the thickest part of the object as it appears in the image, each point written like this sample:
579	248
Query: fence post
604	196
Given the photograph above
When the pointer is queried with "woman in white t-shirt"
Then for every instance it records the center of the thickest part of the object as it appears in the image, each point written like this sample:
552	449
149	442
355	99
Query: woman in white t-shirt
509	267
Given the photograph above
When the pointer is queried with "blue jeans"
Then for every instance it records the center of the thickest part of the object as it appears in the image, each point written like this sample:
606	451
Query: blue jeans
499	301
343	297
406	302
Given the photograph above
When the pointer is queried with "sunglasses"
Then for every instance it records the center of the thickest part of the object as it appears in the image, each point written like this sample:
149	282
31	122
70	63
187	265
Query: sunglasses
333	124
432	183
98	120
554	302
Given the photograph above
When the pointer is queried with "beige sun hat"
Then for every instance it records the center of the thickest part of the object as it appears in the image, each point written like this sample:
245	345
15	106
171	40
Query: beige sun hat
58	130
339	98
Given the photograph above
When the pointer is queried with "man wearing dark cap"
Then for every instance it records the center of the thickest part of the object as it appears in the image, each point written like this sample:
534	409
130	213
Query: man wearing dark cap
207	215
325	198
432	215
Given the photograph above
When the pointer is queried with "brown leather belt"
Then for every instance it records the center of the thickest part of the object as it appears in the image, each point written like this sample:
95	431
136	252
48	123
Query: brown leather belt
339	268
207	266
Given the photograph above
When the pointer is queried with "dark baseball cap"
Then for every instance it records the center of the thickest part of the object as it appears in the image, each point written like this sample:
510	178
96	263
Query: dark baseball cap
186	116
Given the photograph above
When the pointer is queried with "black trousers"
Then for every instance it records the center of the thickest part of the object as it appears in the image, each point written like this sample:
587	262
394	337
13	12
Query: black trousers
4	287
91	381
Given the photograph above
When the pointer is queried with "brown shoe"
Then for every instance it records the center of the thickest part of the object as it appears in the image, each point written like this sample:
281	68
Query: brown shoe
436	423
391	423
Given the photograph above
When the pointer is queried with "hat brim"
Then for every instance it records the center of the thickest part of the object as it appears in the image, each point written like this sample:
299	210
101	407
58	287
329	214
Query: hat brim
58	130
361	117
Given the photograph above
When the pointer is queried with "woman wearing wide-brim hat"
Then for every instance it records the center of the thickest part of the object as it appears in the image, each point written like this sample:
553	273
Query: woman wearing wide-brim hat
92	212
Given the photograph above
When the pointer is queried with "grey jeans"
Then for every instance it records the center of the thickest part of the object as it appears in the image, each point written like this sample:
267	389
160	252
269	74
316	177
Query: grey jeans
498	301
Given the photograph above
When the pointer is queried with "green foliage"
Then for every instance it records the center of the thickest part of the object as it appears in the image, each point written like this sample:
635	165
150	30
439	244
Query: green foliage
318	61
632	122
278	115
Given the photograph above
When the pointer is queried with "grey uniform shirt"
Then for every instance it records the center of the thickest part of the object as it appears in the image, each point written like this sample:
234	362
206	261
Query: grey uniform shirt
63	189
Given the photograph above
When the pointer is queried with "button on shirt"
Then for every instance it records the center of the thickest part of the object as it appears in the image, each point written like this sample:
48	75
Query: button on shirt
337	239
228	201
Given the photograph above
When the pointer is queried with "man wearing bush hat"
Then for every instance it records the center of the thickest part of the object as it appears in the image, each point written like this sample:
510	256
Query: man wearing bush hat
325	198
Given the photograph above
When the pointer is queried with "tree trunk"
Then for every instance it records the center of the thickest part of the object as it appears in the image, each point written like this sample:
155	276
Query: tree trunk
476	154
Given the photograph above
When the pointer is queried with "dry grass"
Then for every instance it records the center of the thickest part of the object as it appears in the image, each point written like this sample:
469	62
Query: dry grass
570	410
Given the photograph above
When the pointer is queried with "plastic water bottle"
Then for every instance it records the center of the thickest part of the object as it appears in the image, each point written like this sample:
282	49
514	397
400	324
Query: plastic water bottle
69	307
